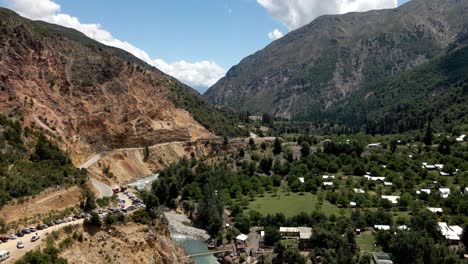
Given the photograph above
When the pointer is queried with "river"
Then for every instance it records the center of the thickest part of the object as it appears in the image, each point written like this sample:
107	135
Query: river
190	238
193	245
144	183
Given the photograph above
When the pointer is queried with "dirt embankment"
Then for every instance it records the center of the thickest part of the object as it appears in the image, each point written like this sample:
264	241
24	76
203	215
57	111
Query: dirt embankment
34	208
127	165
129	243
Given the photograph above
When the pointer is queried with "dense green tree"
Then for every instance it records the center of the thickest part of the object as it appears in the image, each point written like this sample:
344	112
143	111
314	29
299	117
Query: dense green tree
393	145
444	146
88	200
292	255
211	208
277	148
252	144
305	150
428	136
267	119
265	165
151	200
48	256
413	247
241	153
94	220
242	222
272	235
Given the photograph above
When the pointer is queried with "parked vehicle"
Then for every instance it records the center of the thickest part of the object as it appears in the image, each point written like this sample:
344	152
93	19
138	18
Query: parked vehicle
4	255
33	229
26	231
19	234
13	237
4	239
20	244
116	190
35	238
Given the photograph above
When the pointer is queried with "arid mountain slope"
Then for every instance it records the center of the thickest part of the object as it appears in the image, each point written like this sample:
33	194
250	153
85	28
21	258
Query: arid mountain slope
129	243
313	67
91	97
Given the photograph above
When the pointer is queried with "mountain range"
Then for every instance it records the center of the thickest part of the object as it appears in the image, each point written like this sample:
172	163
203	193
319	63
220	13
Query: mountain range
314	71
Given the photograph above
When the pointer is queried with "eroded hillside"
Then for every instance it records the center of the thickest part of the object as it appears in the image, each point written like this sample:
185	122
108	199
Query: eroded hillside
91	97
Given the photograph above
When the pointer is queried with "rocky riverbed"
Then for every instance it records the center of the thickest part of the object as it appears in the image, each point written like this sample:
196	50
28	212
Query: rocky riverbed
179	223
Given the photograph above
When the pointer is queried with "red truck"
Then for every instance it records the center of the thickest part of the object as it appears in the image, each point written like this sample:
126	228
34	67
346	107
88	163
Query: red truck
119	189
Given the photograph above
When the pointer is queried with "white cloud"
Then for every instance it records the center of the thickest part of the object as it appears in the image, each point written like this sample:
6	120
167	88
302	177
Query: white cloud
275	34
34	9
197	74
296	13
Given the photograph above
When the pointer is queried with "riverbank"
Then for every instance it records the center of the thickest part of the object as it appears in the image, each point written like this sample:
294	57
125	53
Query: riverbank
144	183
192	239
180	224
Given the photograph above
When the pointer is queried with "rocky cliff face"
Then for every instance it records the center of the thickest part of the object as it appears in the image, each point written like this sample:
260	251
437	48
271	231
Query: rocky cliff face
88	96
314	67
127	243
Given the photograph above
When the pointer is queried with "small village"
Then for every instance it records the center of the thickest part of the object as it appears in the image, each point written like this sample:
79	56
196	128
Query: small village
260	244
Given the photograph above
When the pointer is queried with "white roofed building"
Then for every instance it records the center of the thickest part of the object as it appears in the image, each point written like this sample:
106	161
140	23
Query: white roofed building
392	198
359	191
436	210
375	145
289	232
242	239
451	233
444	192
428	191
382	227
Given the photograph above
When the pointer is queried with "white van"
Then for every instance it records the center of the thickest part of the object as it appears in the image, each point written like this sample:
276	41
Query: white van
4	255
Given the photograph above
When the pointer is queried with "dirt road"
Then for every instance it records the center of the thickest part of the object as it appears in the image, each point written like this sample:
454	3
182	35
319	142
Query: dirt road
103	189
92	160
16	253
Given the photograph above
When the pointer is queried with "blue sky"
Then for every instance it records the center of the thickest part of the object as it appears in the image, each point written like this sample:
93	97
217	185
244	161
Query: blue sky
191	30
196	41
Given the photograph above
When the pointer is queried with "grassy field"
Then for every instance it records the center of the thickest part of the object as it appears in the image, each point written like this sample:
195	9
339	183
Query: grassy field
366	242
293	204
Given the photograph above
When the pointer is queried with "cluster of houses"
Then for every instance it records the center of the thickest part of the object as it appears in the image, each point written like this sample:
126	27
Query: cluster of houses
301	234
377	179
438	167
327	180
452	233
444	191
